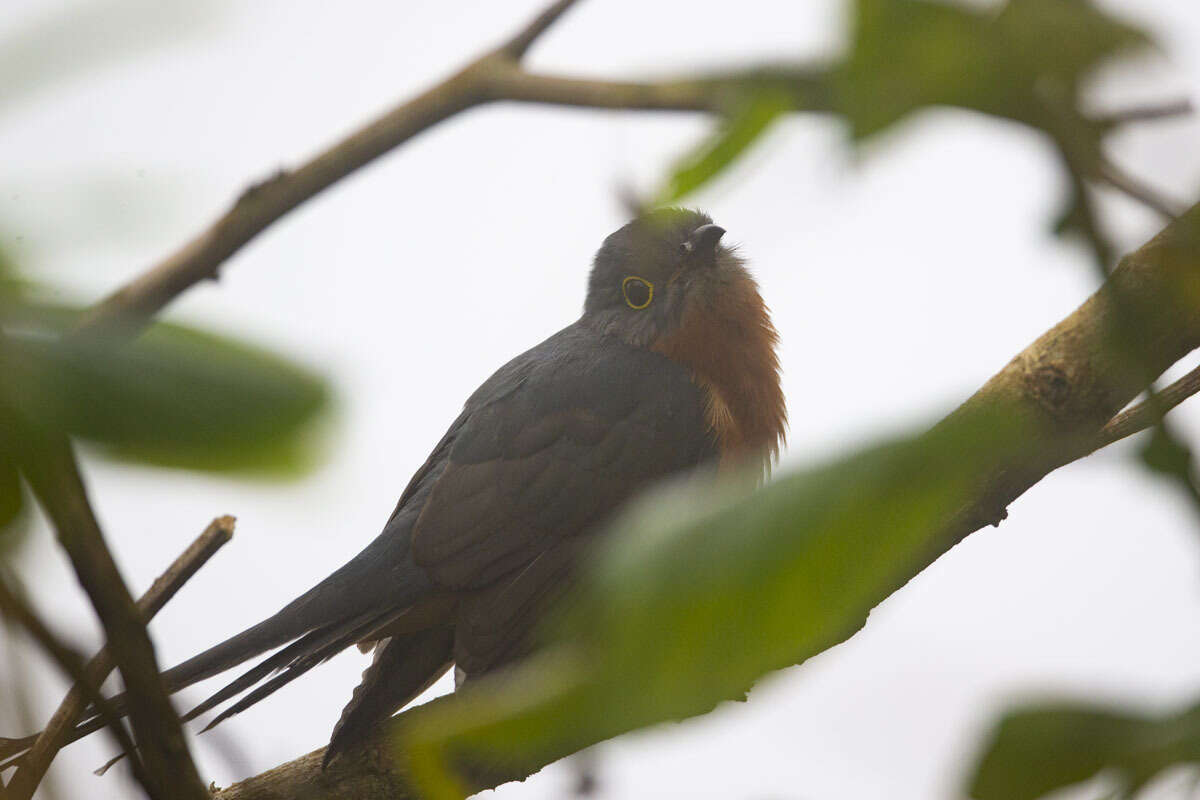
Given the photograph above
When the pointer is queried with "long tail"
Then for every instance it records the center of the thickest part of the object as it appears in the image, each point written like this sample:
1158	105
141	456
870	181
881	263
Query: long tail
382	577
365	593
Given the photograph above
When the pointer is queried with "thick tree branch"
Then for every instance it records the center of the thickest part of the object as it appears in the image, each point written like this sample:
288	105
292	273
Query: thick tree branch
48	463
45	746
1063	389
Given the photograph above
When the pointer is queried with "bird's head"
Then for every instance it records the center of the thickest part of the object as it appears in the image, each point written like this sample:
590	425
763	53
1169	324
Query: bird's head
665	282
650	273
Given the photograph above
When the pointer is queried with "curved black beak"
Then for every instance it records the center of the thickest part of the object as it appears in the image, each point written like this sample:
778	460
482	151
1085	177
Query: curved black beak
704	239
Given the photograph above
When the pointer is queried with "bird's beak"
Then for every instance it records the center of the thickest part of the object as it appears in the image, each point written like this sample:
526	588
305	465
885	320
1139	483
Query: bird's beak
704	239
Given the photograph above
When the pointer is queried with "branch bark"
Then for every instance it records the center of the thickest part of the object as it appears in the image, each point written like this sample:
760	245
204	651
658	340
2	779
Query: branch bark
1142	416
1065	387
50	467
46	745
494	76
14	608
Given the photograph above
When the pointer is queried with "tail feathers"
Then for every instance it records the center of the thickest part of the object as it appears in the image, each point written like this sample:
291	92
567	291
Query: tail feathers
381	578
298	658
359	587
313	640
315	648
403	667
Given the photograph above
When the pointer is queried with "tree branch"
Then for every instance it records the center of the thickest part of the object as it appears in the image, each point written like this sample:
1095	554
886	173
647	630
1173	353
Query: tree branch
516	47
1172	109
810	86
45	746
12	607
1142	416
1137	189
494	76
1065	387
48	463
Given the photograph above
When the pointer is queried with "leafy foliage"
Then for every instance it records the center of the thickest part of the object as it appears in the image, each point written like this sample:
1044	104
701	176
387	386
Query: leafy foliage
175	397
1025	62
1036	750
759	107
911	54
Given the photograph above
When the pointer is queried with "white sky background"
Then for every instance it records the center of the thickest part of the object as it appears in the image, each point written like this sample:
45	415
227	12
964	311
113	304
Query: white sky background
900	280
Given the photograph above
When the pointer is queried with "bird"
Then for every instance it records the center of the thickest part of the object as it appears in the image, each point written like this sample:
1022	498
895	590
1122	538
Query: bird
671	368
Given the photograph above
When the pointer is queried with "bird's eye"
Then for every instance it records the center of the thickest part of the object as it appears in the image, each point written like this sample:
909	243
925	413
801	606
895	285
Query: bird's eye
638	292
685	248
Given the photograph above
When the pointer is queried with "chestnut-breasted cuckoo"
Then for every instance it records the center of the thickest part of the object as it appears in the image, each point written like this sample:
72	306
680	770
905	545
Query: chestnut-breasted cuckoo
671	368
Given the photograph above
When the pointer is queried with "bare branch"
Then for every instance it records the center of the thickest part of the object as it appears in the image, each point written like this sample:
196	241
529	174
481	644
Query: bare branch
1148	113
516	47
49	465
15	609
1142	416
1137	189
46	745
811	87
496	75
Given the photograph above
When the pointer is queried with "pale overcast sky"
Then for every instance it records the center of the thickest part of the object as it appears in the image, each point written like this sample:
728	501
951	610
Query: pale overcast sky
900	279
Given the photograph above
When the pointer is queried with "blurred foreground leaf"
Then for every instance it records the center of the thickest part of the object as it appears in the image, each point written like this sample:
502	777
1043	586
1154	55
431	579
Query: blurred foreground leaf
1037	750
1170	456
697	594
909	54
755	113
174	397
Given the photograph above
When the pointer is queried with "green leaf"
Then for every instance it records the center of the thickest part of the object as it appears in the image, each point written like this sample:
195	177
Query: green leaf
1166	454
754	114
1039	749
907	55
699	592
174	397
1169	455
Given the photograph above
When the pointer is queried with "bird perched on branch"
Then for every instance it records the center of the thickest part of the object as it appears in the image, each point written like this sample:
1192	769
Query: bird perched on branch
671	367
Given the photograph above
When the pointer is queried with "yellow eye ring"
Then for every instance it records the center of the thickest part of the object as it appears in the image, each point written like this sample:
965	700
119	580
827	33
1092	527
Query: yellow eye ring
625	291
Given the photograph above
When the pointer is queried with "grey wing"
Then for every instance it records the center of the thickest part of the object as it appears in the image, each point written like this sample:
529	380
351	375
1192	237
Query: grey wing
546	449
591	422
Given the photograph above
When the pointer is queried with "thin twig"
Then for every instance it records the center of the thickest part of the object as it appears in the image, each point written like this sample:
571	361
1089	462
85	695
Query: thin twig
516	47
1137	189
126	311
48	463
1171	109
47	744
810	87
1141	416
14	608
